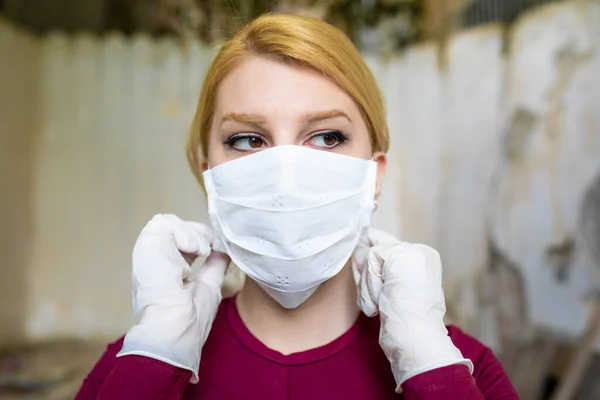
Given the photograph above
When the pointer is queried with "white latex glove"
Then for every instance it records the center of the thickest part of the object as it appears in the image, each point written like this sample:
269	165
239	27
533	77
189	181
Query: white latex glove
403	283
173	310
360	258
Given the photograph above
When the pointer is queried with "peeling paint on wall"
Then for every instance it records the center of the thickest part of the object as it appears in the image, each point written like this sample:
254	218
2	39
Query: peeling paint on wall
552	89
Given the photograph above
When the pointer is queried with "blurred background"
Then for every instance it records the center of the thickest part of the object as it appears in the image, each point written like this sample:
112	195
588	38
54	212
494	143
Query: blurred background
494	112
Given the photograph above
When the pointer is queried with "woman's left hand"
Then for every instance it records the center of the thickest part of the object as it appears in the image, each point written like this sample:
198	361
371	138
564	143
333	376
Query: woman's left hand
403	283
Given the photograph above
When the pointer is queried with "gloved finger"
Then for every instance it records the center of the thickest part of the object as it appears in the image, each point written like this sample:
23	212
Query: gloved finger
157	256
189	241
415	265
374	277
359	258
378	237
205	231
204	236
213	271
367	300
371	283
356	273
374	237
188	237
434	265
165	226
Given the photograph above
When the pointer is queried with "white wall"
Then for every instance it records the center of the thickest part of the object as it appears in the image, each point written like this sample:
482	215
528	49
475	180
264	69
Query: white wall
109	156
19	88
552	106
108	153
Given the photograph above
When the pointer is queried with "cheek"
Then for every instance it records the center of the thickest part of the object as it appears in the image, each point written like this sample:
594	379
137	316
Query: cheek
359	146
216	153
216	158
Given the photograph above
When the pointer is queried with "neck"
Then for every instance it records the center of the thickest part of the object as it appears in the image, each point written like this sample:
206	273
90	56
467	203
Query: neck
322	318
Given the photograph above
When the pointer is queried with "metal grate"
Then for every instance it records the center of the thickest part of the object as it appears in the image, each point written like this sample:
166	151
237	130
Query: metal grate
481	12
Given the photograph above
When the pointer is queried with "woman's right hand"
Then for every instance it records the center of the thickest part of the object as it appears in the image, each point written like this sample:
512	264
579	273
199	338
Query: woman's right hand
173	310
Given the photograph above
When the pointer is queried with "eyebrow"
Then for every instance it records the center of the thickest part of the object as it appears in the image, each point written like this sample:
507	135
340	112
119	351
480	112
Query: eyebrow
327	114
248	119
259	121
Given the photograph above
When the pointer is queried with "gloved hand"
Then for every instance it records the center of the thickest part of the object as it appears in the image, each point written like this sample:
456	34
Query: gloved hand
360	258
173	310
403	283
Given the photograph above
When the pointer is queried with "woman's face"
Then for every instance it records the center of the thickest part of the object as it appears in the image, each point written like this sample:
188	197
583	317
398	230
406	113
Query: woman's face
265	103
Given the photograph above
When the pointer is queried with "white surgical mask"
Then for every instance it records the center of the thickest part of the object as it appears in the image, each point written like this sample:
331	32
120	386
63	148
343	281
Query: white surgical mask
290	216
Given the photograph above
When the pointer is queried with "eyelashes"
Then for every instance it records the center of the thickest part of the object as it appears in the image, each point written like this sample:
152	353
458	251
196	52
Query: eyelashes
338	136
324	140
252	142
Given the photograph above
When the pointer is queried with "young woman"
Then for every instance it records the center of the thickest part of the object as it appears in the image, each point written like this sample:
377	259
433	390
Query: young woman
289	140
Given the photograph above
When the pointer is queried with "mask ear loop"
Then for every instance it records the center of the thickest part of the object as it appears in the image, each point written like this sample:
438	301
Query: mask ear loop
375	202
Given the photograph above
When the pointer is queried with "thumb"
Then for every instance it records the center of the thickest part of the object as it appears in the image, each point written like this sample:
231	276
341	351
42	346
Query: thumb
378	237
367	302
371	282
213	271
359	258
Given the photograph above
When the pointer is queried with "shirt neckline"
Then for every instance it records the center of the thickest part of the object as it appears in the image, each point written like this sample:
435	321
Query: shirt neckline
301	358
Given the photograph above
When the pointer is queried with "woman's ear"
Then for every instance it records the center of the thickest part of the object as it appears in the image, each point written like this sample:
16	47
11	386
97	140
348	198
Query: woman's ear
204	165
381	160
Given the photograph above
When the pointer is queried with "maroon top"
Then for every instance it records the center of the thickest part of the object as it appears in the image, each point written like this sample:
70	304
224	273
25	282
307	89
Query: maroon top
236	365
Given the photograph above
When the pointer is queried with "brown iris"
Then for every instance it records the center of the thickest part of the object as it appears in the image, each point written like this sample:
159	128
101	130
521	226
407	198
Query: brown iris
330	140
255	142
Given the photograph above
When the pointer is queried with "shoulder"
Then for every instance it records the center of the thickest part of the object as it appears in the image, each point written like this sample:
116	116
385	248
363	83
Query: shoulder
488	371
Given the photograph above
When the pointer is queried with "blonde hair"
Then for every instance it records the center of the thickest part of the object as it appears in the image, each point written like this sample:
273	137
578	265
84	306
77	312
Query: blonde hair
292	39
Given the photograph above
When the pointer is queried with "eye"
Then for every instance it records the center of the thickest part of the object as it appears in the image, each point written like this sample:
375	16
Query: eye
245	142
328	139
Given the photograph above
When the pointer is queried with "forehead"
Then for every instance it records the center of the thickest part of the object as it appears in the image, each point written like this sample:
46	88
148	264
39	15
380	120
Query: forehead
264	85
